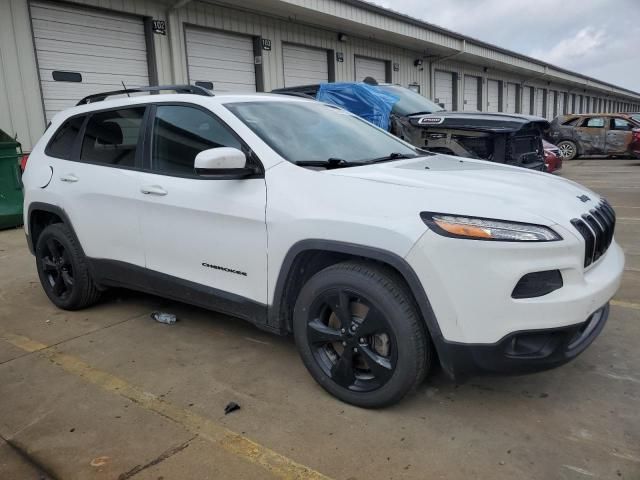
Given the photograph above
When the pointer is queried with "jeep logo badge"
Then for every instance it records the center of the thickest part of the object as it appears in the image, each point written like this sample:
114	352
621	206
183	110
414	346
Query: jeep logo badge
583	198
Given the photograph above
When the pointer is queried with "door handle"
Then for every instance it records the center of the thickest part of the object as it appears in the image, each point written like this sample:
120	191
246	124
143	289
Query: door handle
153	190
69	178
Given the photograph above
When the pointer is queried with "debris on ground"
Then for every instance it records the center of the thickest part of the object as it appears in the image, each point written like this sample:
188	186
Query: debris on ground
231	407
164	317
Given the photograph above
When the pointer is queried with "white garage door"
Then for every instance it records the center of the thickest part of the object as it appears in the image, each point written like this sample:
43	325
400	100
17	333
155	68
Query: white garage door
223	58
370	67
493	96
444	89
539	102
304	65
512	90
105	48
561	103
470	103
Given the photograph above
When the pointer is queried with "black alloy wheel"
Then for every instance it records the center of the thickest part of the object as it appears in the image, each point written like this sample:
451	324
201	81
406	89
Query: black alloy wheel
351	340
360	335
57	268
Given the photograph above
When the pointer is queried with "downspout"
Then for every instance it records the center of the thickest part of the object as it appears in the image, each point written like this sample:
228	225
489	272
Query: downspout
174	43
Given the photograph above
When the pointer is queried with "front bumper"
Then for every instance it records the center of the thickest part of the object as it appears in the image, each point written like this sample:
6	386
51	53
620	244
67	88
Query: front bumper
525	351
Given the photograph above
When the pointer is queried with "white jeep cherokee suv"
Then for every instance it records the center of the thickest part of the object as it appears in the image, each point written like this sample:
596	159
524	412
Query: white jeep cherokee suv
301	218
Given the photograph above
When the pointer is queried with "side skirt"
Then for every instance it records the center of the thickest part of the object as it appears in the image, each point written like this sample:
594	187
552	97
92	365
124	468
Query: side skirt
111	273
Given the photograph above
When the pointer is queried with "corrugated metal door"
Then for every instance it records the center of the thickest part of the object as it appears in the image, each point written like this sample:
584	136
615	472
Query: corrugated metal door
493	96
561	103
539	102
512	89
225	59
526	100
471	87
105	48
551	104
370	67
304	65
444	89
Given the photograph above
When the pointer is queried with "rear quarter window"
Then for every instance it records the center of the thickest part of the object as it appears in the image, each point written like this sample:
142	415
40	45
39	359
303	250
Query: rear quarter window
62	142
571	122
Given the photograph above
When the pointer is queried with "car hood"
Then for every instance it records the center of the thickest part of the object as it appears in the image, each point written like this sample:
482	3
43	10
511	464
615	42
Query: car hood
458	185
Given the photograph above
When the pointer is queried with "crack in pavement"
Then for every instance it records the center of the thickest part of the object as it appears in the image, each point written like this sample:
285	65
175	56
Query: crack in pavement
160	458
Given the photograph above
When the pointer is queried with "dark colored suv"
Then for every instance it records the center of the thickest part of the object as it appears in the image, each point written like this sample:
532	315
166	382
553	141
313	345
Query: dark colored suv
513	139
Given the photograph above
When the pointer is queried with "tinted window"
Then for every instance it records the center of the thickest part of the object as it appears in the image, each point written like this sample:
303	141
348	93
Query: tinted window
311	131
596	122
571	122
112	137
61	145
180	133
620	124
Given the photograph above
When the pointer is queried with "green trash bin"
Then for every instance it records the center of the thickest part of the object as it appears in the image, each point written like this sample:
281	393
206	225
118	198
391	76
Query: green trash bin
11	197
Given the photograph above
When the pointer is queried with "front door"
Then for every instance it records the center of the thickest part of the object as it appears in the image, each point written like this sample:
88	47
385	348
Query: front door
205	231
618	136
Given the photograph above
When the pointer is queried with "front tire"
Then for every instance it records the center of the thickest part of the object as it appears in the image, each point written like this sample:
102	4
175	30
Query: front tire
359	334
568	150
62	269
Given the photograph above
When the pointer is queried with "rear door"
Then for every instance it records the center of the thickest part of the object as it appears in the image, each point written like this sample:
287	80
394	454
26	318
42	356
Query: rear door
98	179
591	135
618	135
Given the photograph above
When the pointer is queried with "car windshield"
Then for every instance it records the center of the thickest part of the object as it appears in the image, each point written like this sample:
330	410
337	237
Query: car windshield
410	102
311	131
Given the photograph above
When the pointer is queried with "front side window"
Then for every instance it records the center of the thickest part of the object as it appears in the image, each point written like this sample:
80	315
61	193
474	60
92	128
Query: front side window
310	131
62	142
180	133
595	122
111	137
620	124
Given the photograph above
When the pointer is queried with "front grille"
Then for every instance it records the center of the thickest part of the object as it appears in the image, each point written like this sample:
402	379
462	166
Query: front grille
596	227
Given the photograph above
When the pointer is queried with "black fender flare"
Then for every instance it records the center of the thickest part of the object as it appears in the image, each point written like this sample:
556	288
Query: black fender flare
56	210
384	256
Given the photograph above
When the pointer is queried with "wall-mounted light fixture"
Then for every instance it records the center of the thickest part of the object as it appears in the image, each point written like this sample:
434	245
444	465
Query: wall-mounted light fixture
342	37
417	62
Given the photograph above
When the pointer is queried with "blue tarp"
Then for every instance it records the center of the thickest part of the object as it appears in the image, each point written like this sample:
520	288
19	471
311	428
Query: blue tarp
366	101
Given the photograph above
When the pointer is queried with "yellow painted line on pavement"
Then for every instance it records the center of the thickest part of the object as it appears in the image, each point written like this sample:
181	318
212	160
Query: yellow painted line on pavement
622	303
276	464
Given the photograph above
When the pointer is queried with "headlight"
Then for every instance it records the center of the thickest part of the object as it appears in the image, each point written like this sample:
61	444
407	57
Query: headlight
487	229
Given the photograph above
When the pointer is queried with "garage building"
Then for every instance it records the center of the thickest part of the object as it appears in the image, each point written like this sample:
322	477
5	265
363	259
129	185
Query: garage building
53	53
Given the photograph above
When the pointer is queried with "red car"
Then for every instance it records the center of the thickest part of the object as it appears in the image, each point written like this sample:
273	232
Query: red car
552	157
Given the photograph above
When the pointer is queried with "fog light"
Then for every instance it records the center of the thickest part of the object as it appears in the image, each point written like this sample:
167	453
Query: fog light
537	284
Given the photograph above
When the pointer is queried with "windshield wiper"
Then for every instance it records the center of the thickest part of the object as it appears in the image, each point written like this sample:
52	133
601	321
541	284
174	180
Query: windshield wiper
423	113
329	163
391	156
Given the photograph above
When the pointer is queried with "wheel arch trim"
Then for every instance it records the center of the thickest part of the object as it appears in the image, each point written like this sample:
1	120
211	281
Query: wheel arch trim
367	252
56	210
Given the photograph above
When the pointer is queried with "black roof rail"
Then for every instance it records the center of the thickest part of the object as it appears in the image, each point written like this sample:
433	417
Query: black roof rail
193	89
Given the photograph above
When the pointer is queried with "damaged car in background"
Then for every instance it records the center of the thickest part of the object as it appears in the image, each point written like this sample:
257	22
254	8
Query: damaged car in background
511	139
596	134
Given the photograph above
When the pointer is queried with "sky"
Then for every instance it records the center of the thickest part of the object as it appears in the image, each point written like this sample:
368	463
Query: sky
598	38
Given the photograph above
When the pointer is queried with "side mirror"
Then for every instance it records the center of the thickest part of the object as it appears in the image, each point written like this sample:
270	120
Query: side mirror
222	162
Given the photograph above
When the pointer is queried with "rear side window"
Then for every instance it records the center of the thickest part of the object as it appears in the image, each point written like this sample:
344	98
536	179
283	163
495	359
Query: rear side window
180	133
572	122
111	137
62	142
620	124
595	122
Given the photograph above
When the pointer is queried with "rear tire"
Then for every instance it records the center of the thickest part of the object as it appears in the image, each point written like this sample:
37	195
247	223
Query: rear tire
359	334
568	150
63	270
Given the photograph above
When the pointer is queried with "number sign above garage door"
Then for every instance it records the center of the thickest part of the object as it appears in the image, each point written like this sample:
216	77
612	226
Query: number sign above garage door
67	40
225	59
